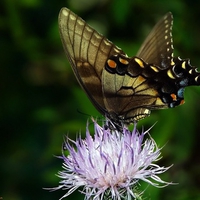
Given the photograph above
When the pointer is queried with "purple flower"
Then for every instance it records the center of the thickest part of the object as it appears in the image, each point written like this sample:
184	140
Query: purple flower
110	164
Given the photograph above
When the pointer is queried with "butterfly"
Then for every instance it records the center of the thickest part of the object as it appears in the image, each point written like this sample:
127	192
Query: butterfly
125	89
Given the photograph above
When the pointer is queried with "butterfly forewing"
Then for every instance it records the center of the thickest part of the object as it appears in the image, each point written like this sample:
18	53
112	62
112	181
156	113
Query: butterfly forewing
87	51
158	46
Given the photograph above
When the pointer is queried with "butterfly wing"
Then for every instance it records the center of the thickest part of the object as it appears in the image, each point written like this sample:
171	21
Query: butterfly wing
157	48
126	89
87	51
131	97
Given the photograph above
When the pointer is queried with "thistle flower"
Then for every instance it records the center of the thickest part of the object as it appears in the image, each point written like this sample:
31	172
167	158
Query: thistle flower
110	164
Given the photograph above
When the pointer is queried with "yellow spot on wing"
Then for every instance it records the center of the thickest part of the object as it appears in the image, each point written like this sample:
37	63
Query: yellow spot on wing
183	65
123	61
169	73
139	62
196	78
155	69
190	71
172	62
65	12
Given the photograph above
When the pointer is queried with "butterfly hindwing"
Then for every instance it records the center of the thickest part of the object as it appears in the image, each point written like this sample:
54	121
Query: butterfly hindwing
130	93
157	48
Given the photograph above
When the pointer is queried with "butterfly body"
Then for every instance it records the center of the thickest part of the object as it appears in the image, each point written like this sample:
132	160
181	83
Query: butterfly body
125	89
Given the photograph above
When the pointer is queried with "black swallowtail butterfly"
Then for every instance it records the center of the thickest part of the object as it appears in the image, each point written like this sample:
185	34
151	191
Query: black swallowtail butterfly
125	89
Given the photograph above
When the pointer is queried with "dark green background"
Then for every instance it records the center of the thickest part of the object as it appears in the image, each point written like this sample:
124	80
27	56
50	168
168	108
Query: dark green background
41	100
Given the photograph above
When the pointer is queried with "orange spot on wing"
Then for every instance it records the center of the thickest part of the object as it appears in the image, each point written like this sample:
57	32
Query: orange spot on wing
182	102
141	79
123	61
112	64
173	97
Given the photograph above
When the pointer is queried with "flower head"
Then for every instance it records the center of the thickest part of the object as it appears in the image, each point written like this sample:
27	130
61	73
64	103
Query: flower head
110	164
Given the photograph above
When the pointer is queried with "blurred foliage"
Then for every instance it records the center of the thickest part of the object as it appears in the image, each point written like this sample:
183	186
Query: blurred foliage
41	100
